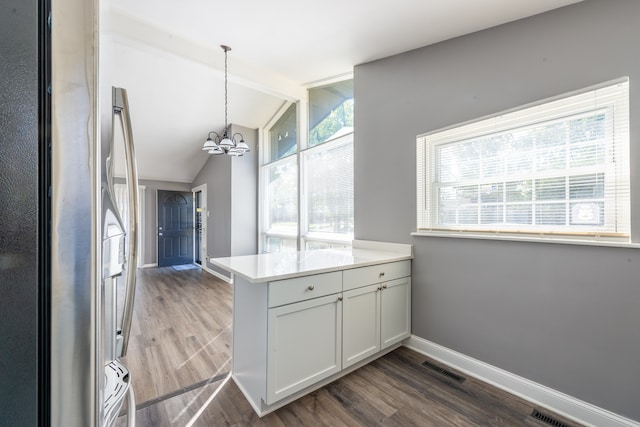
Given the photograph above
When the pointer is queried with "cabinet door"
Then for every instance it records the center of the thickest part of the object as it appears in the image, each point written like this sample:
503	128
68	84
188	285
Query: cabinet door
360	324
395	304
304	345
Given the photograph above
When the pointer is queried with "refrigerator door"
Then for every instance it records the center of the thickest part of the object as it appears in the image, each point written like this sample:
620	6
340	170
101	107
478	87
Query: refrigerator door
77	365
87	238
24	215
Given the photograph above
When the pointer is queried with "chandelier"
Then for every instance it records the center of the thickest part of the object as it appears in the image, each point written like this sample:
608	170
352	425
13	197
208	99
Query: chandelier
225	144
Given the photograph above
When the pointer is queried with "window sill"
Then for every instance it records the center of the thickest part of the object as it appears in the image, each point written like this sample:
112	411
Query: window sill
518	238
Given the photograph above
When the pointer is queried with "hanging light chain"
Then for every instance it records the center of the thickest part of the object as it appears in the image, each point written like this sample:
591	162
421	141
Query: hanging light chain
225	143
226	86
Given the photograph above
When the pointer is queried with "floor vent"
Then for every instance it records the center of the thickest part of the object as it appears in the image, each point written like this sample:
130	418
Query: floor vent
444	372
548	419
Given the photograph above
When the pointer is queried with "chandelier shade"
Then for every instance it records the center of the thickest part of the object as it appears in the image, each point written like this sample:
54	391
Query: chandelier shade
223	143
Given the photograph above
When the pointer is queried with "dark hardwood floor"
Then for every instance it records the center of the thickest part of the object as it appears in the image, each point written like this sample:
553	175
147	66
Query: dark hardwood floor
395	390
180	333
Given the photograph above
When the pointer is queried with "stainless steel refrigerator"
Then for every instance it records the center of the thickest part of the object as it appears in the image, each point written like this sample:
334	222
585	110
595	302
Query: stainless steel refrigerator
62	246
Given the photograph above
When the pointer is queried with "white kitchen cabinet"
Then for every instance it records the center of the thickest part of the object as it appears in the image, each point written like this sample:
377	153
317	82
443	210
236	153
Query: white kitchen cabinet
296	316
395	311
361	324
304	345
378	315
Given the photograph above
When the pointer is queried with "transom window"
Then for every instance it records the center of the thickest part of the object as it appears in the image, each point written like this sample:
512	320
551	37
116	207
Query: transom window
558	168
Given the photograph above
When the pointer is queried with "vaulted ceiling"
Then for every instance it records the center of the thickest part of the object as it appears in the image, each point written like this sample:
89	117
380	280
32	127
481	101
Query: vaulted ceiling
166	53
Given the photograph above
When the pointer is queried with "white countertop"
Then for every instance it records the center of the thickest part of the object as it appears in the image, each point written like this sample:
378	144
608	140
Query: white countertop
277	266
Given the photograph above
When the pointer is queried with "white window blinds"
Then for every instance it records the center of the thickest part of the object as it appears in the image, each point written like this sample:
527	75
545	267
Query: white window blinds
328	188
559	167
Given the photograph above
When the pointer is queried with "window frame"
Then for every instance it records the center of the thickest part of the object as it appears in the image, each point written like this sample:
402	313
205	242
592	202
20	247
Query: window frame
520	118
302	237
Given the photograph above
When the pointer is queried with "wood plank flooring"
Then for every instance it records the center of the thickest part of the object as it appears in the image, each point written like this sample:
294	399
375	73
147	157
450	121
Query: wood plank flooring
181	331
395	390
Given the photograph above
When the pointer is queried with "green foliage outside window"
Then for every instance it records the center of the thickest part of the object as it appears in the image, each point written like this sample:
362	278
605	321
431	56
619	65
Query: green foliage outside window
337	119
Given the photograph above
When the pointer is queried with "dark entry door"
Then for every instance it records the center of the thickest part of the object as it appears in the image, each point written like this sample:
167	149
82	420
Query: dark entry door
175	228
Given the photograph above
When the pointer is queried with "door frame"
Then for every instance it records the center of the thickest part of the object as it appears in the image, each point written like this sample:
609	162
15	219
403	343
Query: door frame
203	242
158	190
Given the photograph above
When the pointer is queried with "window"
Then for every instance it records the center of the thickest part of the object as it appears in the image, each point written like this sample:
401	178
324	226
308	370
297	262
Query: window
328	192
560	168
283	140
330	112
280	211
307	187
280	185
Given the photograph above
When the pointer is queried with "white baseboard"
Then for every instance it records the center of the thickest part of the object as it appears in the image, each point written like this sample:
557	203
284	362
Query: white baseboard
535	393
218	275
149	265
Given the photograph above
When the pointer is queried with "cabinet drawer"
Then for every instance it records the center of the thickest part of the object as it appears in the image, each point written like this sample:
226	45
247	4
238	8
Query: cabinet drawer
357	277
303	288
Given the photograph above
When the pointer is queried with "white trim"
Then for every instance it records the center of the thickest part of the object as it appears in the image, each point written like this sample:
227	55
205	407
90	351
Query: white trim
403	248
329	80
155	264
142	195
538	394
222	277
526	238
205	219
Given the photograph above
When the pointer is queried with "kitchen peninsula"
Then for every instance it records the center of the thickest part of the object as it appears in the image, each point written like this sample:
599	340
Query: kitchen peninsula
304	319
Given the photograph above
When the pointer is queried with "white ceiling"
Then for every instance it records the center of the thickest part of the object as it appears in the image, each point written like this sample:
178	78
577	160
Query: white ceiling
167	54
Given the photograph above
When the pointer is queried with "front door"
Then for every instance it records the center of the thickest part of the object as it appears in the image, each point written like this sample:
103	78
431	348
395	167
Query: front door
175	228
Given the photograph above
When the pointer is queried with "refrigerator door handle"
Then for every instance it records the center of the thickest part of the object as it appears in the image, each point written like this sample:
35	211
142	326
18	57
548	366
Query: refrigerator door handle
121	109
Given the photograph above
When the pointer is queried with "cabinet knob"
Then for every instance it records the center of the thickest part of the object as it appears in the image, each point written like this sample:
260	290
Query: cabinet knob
339	298
311	287
379	288
382	274
384	286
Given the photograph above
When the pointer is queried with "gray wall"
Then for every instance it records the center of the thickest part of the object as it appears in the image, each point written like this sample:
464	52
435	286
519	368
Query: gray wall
564	316
19	282
244	197
216	173
231	201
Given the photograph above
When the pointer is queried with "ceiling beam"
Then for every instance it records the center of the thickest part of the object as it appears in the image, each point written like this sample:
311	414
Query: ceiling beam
131	31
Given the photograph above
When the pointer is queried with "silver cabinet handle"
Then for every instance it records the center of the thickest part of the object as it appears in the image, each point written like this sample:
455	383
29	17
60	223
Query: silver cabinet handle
121	109
311	287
